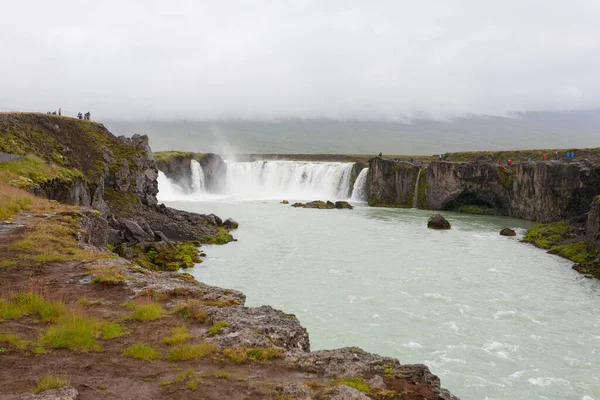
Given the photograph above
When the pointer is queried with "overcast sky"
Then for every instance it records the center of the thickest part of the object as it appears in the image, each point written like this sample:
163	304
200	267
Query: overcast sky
272	59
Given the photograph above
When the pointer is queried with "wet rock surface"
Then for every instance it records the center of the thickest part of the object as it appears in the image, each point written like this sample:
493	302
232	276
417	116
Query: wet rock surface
437	221
63	393
508	232
324	205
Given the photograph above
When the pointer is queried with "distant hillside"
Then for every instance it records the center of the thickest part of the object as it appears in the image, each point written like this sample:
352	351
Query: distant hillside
532	130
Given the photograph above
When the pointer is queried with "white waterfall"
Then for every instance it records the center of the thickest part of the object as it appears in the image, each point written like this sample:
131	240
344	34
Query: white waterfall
416	194
297	180
198	180
360	186
288	179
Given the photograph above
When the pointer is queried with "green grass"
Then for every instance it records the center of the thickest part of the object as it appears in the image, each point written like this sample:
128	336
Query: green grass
108	275
252	354
191	351
147	312
141	352
13	201
50	382
222	375
356	383
80	333
32	171
217	328
14	340
26	303
170	156
178	335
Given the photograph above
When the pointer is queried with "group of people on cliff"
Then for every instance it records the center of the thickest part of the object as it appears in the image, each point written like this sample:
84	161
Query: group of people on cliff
85	116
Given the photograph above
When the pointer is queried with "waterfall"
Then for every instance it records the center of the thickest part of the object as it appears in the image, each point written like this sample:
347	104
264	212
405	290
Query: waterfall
416	195
288	179
298	180
198	181
360	186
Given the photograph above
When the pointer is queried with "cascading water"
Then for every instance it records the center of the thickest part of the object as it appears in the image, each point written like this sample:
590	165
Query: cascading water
288	179
416	195
297	180
198	180
360	186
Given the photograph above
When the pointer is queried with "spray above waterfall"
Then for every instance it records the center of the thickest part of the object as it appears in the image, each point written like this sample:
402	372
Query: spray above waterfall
298	180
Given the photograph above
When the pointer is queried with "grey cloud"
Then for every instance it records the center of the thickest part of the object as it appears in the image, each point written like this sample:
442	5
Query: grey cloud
306	59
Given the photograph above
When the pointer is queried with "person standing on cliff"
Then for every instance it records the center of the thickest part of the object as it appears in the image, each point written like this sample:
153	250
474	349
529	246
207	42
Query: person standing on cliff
556	155
509	162
544	156
380	155
60	111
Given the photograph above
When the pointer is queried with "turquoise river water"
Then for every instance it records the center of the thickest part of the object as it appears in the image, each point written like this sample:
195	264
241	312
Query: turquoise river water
492	317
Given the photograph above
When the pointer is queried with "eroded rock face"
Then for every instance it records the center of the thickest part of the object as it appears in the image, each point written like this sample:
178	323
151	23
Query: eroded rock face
391	183
544	191
293	390
437	221
592	236
214	171
259	327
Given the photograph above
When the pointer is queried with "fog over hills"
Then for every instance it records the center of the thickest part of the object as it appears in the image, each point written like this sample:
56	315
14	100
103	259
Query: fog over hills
419	137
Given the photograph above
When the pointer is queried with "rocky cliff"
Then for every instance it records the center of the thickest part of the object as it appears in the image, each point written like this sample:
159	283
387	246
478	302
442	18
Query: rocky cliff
82	163
592	229
545	191
391	183
177	166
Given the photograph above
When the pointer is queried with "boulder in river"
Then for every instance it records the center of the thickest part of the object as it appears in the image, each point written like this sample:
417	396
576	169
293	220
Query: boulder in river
437	221
343	204
230	223
285	202
508	232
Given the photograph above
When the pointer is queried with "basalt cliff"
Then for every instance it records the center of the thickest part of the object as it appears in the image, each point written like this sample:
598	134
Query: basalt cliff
93	306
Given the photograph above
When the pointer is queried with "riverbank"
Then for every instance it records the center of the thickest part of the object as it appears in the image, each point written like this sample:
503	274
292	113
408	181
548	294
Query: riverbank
88	305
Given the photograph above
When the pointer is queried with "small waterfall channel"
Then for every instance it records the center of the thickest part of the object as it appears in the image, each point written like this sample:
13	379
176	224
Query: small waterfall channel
416	195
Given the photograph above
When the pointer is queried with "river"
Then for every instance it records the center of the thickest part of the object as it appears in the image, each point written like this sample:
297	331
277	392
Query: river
492	317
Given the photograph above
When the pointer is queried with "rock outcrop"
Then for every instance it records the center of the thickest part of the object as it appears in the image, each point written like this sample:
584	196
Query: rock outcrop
322	205
391	183
592	231
545	191
177	166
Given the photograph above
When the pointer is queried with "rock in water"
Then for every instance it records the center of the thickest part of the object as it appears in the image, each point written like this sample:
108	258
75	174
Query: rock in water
230	224
508	232
437	221
343	204
285	202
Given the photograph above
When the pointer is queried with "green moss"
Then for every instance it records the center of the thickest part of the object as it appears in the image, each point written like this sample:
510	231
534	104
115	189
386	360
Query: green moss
547	235
170	156
222	237
576	252
80	333
505	176
356	383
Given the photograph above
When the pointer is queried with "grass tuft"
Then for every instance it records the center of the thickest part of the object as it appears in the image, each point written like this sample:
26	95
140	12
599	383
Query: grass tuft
50	382
252	354
356	383
190	351
141	352
179	335
217	328
146	312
